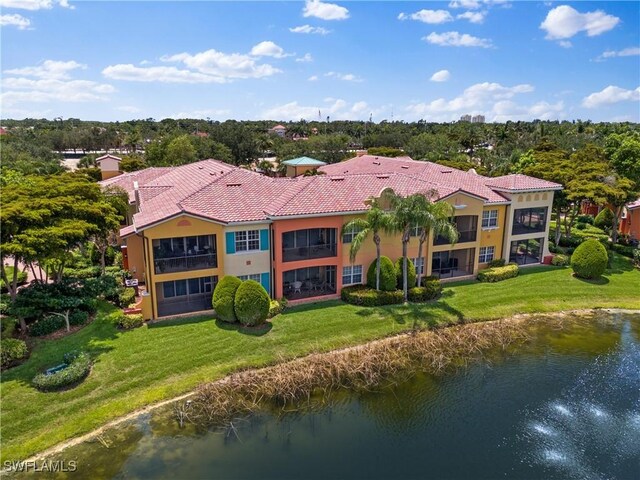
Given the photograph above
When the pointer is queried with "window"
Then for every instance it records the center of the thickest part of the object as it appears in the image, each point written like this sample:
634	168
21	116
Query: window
528	220
192	286
524	252
486	254
416	231
490	219
351	274
247	240
349	235
253	276
419	264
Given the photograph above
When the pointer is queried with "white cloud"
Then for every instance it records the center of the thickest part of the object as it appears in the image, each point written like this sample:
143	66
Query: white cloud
222	66
310	30
470	4
473	17
506	110
455	39
305	58
609	95
163	74
347	77
441	76
565	22
478	98
34	4
325	11
625	52
268	49
15	20
565	43
209	66
337	109
49	69
19	90
428	16
312	78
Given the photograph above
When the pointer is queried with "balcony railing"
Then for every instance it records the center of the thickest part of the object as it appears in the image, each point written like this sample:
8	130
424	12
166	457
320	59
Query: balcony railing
307	253
185	263
463	237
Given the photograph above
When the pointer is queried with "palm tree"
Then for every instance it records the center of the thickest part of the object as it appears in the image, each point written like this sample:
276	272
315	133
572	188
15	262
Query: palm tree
437	219
376	221
408	212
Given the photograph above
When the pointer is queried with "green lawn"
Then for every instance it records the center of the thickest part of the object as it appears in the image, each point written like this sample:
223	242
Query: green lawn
156	362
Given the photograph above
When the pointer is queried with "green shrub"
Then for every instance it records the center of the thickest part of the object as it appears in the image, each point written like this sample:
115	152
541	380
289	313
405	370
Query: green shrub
585	219
411	273
497	262
46	325
12	350
590	259
129	321
370	297
126	297
251	303
387	274
83	272
604	219
432	284
636	257
22	278
498	274
581	226
78	317
560	260
276	307
8	325
75	372
224	296
431	290
624	250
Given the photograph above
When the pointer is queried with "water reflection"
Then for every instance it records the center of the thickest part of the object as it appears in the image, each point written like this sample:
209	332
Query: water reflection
565	406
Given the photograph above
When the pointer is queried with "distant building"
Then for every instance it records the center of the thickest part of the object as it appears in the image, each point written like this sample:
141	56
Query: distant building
477	119
279	130
109	166
465	118
3	131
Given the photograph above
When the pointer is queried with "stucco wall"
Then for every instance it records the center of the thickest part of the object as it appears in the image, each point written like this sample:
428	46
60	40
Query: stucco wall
245	263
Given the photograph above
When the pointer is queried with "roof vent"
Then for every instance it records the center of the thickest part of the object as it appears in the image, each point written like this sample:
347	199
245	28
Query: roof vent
200	167
382	176
405	167
446	171
233	184
376	163
212	173
336	179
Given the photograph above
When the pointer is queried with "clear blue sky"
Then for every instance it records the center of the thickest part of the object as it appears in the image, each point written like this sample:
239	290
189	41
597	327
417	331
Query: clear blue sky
347	60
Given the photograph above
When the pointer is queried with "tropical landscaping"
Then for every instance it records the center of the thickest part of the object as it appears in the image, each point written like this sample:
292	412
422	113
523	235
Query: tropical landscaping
131	369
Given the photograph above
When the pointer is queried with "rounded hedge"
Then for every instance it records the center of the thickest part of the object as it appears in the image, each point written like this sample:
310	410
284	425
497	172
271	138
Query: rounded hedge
224	296
411	274
370	297
77	370
252	303
12	350
604	219
387	274
590	259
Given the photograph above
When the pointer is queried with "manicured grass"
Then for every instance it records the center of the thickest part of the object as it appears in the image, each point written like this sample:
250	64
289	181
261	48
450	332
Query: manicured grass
156	362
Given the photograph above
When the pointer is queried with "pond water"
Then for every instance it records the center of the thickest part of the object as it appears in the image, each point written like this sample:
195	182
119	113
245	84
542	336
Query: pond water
564	406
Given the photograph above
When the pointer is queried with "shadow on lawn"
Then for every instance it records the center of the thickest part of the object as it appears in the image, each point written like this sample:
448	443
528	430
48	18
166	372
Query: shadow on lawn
252	331
178	321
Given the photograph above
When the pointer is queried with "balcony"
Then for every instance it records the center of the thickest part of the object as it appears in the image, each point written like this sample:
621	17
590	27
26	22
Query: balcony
529	220
309	244
463	237
467	226
185	263
308	253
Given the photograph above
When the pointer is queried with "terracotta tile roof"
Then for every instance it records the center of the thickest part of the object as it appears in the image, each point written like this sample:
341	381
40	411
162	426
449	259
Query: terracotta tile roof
224	193
518	183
